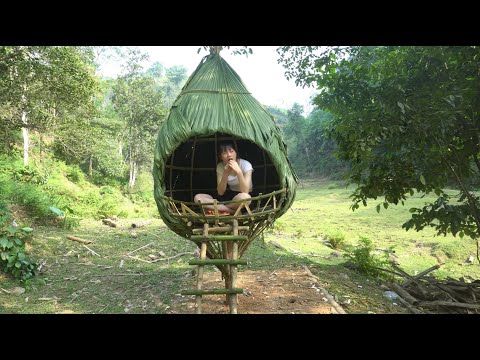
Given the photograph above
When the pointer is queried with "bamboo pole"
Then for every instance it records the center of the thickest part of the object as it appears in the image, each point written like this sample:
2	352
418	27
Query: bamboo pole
212	292
203	256
233	271
218	229
217	262
219	237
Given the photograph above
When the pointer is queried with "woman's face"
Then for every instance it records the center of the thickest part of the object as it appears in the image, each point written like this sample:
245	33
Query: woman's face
228	154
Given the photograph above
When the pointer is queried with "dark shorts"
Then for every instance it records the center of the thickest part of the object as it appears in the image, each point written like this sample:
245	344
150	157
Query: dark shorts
228	195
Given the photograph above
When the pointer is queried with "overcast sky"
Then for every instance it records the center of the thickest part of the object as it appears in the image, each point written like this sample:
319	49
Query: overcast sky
260	72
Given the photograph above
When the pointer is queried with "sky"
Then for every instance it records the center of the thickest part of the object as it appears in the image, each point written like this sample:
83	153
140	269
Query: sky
260	72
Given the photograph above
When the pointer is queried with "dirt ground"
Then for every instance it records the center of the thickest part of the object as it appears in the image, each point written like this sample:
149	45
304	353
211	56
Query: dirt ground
286	291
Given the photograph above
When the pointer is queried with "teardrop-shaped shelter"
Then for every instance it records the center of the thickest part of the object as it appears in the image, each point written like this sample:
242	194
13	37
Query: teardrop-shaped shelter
215	105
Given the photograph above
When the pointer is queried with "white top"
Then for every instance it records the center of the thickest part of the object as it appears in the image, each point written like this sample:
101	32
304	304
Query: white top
232	181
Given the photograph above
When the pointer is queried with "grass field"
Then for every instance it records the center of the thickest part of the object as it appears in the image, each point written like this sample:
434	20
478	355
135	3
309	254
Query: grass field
112	279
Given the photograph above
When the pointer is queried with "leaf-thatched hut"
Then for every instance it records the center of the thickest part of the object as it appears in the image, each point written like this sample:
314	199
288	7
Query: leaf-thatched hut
215	105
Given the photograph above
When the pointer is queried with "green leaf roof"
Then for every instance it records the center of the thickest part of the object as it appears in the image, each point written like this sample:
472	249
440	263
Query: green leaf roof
214	99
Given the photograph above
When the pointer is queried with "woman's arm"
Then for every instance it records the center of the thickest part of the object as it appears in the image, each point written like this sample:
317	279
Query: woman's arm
244	179
222	182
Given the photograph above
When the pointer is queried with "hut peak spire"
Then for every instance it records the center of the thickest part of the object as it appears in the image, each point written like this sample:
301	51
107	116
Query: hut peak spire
215	49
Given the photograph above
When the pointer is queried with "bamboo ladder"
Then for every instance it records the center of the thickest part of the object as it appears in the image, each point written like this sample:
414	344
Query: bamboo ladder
231	260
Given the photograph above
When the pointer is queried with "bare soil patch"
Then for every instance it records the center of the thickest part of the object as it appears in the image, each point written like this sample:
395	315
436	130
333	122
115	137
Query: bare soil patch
285	291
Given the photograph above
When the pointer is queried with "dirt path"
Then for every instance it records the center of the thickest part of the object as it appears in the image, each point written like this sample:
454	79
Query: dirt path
285	291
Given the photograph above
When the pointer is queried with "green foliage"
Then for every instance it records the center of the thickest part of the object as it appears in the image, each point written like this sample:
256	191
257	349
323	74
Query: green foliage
279	115
310	150
75	174
12	248
364	260
408	119
139	104
31	174
455	219
335	238
32	198
43	83
143	189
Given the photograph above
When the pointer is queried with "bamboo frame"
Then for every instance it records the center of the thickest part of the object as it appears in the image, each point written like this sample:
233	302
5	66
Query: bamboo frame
186	168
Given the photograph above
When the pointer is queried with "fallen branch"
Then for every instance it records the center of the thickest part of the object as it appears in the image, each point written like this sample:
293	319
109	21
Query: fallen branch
277	245
408	306
93	252
141	223
137	258
104	275
110	222
406	283
74	238
162	259
325	293
404	294
448	304
172	257
140	248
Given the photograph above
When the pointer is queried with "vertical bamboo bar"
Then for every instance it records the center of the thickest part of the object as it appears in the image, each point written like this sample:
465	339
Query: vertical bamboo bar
264	172
215	207
233	271
215	151
191	169
171	175
203	256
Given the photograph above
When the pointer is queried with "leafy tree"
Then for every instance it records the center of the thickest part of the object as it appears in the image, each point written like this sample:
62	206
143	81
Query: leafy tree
280	115
139	105
323	149
294	130
408	119
39	84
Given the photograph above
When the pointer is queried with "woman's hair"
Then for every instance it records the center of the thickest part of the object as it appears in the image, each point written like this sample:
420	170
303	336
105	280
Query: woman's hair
224	145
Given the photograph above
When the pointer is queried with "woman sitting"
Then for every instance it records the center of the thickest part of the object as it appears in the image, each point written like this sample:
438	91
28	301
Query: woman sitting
234	181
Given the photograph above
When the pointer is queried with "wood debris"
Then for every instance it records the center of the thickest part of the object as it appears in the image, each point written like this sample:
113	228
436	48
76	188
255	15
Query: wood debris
110	222
424	293
141	223
77	239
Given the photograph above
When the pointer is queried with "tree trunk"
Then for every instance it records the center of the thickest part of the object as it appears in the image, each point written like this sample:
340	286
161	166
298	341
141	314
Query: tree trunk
25	139
308	155
24	130
90	166
133	173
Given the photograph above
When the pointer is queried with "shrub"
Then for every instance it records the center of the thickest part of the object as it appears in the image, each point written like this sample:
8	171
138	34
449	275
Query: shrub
362	258
12	248
335	238
35	200
75	174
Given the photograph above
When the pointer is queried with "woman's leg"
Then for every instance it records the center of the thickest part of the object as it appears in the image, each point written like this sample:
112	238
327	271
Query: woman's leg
205	198
239	196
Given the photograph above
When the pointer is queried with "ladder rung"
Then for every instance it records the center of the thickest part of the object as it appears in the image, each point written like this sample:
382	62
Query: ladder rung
213	292
218	262
220	229
219	238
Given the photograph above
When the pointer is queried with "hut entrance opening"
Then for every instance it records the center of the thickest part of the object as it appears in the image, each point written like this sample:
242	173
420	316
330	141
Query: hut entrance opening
191	169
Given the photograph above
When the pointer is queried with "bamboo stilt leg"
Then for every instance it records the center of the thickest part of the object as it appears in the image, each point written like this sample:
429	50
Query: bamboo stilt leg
233	271
203	256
